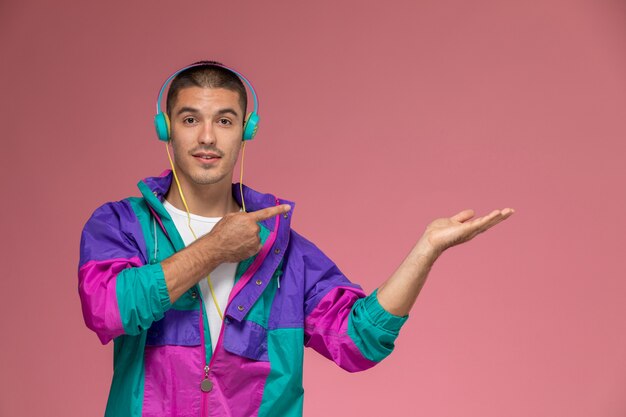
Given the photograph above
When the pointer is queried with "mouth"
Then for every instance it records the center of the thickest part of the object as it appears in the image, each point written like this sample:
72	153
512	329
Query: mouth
206	157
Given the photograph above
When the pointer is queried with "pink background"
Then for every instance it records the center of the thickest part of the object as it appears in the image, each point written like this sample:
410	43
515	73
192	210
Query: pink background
377	117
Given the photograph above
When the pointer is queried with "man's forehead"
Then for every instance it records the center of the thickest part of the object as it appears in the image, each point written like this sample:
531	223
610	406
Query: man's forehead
207	94
198	99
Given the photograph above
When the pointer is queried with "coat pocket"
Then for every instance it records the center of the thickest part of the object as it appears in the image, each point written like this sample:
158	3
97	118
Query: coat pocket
177	327
246	338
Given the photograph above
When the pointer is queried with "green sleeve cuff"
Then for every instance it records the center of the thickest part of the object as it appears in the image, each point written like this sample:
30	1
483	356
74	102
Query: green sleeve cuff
142	297
381	317
156	270
373	329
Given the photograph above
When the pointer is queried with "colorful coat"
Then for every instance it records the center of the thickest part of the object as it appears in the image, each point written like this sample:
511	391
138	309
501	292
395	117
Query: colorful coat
288	296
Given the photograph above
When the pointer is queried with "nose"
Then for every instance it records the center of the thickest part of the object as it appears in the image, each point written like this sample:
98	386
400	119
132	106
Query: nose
206	134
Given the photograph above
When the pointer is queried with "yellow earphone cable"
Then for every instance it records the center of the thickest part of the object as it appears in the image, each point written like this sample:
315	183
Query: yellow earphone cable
243	152
219	311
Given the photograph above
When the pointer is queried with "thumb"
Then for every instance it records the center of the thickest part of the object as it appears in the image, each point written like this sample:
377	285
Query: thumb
268	212
463	215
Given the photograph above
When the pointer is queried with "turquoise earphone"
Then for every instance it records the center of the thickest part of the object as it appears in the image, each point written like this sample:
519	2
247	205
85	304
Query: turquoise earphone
162	121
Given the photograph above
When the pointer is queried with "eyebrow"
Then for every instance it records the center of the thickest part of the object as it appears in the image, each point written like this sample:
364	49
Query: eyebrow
196	111
228	110
187	110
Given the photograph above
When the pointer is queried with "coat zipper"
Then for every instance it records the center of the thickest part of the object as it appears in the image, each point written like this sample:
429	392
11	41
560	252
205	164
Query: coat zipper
207	367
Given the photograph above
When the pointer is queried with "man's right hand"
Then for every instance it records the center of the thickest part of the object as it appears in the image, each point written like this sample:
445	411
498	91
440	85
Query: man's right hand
234	238
236	235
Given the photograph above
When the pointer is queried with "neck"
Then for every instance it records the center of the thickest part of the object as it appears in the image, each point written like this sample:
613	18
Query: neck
207	200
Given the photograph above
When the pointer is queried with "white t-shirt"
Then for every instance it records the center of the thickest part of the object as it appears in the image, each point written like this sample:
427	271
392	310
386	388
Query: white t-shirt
222	277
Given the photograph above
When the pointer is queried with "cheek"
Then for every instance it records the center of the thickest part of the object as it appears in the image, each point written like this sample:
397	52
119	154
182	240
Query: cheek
178	152
234	148
236	153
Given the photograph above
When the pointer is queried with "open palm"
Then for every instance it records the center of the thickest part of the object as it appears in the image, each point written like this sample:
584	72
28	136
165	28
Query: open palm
443	233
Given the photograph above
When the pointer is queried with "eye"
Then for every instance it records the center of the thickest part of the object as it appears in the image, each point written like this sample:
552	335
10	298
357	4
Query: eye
224	122
189	120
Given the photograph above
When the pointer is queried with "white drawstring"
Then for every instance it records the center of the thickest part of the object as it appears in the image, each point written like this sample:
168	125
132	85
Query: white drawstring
156	241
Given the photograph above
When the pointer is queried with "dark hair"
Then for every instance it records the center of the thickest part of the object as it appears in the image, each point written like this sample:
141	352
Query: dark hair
209	74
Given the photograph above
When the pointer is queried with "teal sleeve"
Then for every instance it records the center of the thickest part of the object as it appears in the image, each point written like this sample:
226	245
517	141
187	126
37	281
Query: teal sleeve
373	329
142	297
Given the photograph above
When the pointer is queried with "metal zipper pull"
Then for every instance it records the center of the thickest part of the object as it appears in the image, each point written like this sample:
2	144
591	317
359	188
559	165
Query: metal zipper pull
206	385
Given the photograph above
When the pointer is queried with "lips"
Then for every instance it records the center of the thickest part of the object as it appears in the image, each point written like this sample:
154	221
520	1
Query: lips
206	155
206	158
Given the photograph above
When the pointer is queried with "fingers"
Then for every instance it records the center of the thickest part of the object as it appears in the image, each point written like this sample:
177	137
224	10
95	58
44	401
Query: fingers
507	212
483	223
266	213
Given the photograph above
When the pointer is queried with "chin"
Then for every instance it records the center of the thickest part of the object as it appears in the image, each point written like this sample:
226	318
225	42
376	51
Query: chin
207	179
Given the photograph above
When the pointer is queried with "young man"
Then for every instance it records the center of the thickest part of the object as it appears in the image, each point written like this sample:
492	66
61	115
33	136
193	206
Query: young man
209	295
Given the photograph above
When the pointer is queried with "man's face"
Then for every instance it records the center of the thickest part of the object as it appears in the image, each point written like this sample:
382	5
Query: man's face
206	132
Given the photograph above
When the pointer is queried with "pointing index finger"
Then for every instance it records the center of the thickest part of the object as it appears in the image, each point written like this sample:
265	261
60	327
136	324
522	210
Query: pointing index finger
268	212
